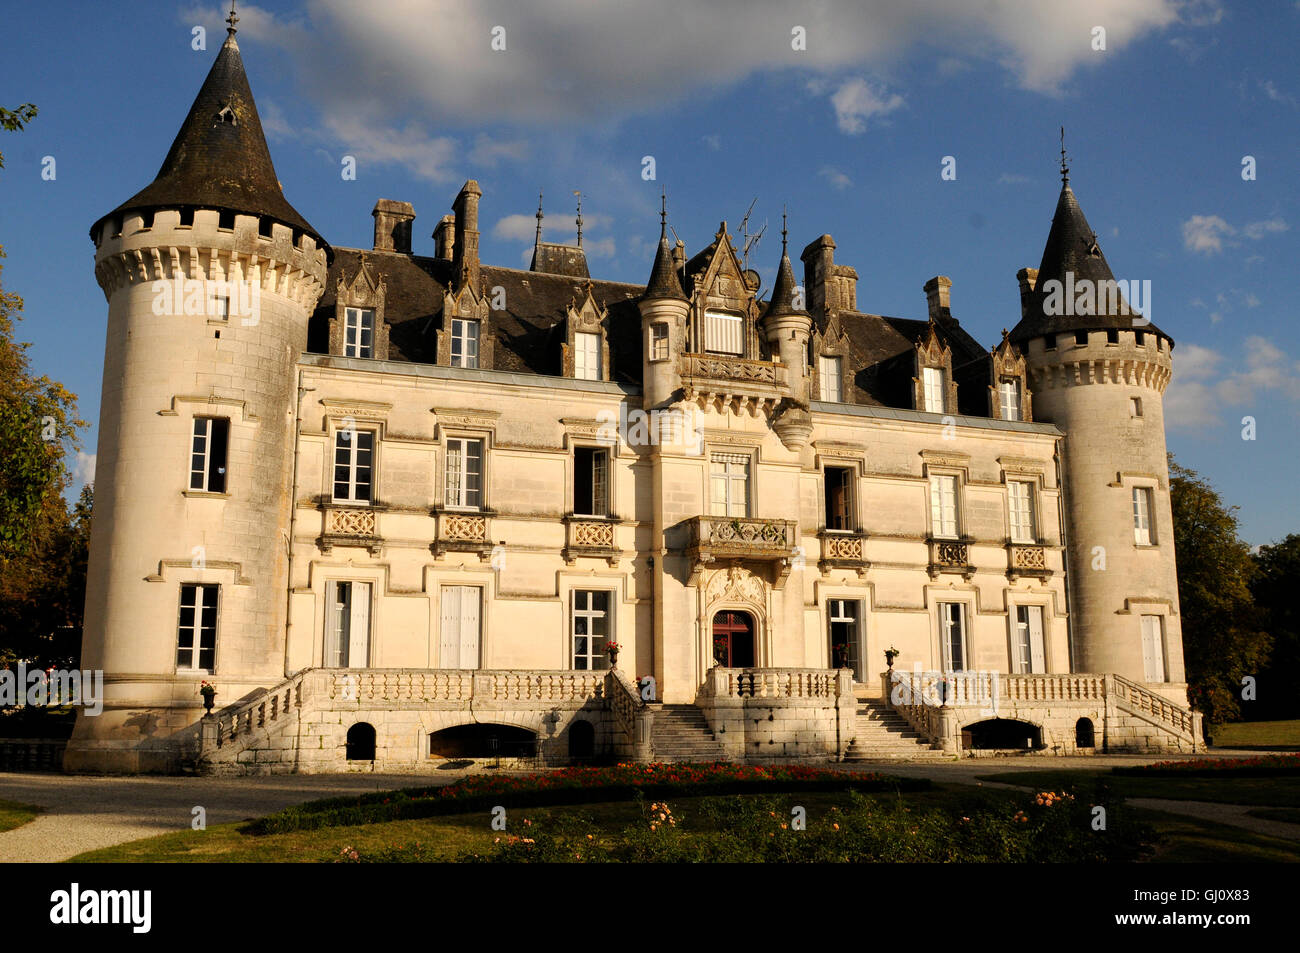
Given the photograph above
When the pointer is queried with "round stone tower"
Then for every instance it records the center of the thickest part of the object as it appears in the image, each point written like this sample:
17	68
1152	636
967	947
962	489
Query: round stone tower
210	276
787	328
664	308
1098	369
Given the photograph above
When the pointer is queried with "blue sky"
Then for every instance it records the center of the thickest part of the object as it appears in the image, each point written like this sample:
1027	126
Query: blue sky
848	132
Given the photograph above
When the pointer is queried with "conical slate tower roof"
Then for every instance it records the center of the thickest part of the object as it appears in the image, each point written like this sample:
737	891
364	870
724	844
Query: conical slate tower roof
1072	257
219	158
782	300
664	282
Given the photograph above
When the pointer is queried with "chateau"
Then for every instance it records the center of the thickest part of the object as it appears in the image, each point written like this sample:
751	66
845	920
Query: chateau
396	506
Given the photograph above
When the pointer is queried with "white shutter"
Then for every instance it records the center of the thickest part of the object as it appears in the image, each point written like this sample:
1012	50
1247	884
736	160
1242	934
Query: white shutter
952	644
1037	652
449	647
469	627
723	333
335	624
359	626
1153	649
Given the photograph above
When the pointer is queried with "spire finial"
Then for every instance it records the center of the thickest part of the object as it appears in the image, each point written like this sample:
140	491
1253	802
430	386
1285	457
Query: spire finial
1065	169
783	210
663	214
232	19
579	195
538	241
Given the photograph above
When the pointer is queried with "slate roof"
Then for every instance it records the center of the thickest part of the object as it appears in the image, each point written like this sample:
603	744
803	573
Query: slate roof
219	165
664	282
1072	248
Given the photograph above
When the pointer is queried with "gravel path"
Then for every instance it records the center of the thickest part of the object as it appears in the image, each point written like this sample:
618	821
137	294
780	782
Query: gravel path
86	813
1231	814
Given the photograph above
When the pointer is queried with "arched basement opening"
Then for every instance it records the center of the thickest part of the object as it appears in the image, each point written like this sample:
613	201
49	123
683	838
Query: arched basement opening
1002	734
582	740
361	742
483	741
1085	735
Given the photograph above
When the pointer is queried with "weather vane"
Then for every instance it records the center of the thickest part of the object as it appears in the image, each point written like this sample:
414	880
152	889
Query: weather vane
232	19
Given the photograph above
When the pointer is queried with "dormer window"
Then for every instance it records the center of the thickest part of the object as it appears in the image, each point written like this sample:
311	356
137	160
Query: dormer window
464	343
586	357
226	116
932	388
723	333
1009	399
359	333
831	379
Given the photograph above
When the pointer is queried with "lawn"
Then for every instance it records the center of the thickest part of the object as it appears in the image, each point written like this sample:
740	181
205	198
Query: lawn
1258	735
1191	840
13	814
1267	792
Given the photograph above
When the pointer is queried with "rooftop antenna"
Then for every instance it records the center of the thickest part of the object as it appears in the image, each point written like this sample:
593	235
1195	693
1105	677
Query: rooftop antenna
749	242
232	19
1065	169
579	195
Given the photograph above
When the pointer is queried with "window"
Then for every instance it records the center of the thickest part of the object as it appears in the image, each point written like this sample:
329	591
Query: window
832	386
1081	338
943	506
1020	503
459	646
464	343
1140	338
1142	533
1112	336
729	479
932	381
952	636
1009	394
354	453
586	357
196	643
359	333
464	473
1028	657
1153	648
590	482
208	454
1135	406
723	333
347	630
845	633
590	629
839	499
659	341
1049	342
220	308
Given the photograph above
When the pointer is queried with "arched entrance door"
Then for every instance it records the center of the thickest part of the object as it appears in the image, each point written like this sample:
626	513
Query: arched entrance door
733	639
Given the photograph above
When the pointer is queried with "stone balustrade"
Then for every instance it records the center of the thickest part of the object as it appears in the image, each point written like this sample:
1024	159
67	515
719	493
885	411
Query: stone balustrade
462	531
950	555
633	716
349	526
370	686
778	683
591	536
261	711
733	537
841	550
735	383
1025	559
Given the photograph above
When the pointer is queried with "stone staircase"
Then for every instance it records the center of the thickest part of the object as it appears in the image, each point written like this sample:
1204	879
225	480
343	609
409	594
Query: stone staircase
882	734
680	733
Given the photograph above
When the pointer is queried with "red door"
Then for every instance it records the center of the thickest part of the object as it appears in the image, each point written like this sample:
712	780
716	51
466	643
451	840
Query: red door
733	640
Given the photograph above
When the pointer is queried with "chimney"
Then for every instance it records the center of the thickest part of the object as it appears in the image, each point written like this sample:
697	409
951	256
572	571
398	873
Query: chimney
464	263
937	295
679	257
444	238
393	226
1028	278
827	286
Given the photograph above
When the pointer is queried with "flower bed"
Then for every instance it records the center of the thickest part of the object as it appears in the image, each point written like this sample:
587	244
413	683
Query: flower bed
573	786
1271	765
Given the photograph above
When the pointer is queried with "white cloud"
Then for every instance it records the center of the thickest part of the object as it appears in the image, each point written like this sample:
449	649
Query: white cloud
1012	178
429	157
516	228
600	248
713	141
1204	386
1205	234
1257	230
856	101
837	179
488	151
83	469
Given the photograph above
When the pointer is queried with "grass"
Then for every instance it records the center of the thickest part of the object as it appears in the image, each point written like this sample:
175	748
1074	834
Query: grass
14	814
1267	792
1258	735
1191	840
1289	815
446	837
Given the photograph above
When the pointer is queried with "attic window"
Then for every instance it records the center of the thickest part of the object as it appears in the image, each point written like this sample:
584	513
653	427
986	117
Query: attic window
187	218
1112	336
264	227
225	116
1081	338
1049	342
1140	337
226	219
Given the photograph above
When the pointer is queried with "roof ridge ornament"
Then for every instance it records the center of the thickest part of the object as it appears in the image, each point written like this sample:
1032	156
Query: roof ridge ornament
1065	168
232	19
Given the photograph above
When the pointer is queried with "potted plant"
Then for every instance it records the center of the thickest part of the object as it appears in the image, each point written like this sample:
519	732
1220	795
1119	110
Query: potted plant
841	653
891	654
612	649
209	692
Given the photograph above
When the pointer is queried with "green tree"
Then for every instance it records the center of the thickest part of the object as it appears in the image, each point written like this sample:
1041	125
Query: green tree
13	120
1223	636
1276	586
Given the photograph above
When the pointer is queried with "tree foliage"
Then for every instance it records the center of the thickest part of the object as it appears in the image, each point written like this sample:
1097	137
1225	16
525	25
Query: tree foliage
1276	587
1223	635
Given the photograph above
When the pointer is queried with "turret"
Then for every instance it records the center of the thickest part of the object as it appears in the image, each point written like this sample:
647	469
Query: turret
787	327
210	275
1098	370
664	307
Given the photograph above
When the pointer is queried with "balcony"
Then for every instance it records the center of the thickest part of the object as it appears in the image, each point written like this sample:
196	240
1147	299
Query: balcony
843	550
725	382
591	536
462	531
743	537
1027	559
343	525
951	556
